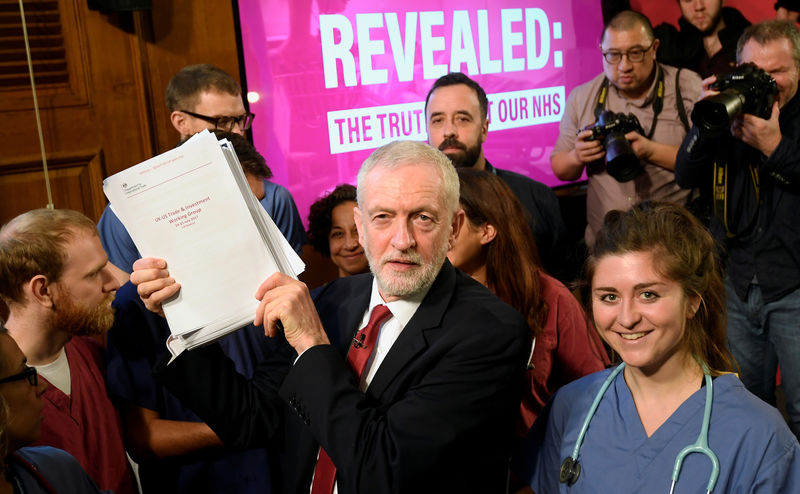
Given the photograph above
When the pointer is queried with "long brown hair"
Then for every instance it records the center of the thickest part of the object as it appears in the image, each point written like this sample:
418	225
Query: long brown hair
685	252
512	266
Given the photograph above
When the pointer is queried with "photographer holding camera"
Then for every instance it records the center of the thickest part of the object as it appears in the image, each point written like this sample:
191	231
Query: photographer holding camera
635	103
752	167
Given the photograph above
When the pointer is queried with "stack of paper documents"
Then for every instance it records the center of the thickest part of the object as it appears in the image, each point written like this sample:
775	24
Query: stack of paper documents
192	206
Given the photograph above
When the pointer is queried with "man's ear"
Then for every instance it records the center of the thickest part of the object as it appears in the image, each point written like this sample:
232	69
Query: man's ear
484	129
181	123
359	226
458	223
39	290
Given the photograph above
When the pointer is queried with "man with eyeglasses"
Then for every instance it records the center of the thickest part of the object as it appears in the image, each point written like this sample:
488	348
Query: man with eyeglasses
203	97
753	169
632	82
58	286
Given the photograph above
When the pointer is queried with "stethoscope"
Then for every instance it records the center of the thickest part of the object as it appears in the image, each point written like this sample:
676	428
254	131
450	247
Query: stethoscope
571	469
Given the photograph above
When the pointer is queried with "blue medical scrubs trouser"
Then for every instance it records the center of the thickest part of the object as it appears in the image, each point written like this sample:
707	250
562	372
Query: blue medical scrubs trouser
761	336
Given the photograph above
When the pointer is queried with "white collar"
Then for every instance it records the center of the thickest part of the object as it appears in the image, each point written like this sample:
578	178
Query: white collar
403	309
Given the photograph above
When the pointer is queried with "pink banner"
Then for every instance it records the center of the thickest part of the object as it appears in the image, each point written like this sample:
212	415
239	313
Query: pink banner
335	79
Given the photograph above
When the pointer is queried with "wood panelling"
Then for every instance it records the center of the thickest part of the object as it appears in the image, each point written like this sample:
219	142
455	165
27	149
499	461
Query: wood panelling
109	112
179	33
59	63
73	180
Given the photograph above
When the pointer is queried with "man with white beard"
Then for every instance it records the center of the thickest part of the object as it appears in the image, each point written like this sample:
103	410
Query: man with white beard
422	399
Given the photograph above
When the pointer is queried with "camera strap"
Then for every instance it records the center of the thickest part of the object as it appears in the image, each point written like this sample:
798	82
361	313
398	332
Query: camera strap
658	100
721	196
679	101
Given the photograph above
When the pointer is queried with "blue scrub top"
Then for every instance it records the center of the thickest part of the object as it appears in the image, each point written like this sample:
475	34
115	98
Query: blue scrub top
135	342
59	468
756	450
277	202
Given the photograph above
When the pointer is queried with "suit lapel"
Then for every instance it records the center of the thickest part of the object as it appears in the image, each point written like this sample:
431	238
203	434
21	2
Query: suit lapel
412	339
341	307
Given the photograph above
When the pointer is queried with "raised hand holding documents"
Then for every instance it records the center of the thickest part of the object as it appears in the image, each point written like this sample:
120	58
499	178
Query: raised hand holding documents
192	206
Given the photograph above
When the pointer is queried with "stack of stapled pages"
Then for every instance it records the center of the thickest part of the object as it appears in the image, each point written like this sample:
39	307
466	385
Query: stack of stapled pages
192	206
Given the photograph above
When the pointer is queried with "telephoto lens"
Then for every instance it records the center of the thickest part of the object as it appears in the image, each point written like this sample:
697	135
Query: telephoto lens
746	90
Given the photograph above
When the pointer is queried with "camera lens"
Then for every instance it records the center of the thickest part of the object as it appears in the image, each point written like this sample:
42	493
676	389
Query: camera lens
715	113
621	162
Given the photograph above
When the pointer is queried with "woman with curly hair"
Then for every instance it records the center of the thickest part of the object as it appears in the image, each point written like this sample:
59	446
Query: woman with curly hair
332	230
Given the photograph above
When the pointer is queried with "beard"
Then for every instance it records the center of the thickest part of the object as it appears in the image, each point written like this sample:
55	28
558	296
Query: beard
713	24
407	284
78	320
465	159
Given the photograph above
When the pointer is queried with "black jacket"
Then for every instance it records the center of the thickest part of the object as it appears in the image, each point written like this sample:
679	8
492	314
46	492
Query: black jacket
684	48
766	228
438	415
544	217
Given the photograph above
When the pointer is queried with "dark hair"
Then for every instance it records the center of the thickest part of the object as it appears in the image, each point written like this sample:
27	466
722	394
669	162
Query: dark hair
512	261
454	78
34	244
319	216
685	252
627	20
251	160
183	90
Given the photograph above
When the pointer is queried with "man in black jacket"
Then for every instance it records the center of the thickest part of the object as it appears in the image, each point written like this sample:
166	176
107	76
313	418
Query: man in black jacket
706	42
756	188
456	111
435	407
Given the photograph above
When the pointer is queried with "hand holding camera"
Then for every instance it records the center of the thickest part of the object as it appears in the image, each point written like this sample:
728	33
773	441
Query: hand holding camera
611	129
744	101
748	89
707	89
587	149
764	135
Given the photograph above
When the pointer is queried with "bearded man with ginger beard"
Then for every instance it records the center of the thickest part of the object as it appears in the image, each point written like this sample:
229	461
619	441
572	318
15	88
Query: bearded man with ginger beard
58	285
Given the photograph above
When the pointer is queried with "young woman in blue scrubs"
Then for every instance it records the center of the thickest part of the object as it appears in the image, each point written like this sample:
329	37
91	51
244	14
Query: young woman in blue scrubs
657	299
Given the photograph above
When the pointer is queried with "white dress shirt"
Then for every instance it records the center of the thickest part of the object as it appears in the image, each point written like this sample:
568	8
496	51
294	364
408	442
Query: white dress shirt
402	312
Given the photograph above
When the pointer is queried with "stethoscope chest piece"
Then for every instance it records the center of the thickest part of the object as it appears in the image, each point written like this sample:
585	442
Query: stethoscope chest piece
570	471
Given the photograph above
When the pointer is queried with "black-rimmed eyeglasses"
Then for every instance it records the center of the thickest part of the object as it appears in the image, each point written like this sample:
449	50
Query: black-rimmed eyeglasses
225	123
29	373
635	55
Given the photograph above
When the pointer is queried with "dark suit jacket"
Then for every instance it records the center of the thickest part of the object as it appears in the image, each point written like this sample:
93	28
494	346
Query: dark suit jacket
438	415
544	217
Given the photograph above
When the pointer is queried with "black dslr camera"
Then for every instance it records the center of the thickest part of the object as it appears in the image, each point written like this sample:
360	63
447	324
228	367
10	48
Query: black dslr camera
747	89
621	162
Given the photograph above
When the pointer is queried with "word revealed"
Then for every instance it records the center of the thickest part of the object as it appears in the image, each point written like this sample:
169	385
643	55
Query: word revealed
528	29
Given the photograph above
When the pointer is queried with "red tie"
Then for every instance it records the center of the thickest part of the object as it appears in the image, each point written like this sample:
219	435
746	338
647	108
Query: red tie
363	343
